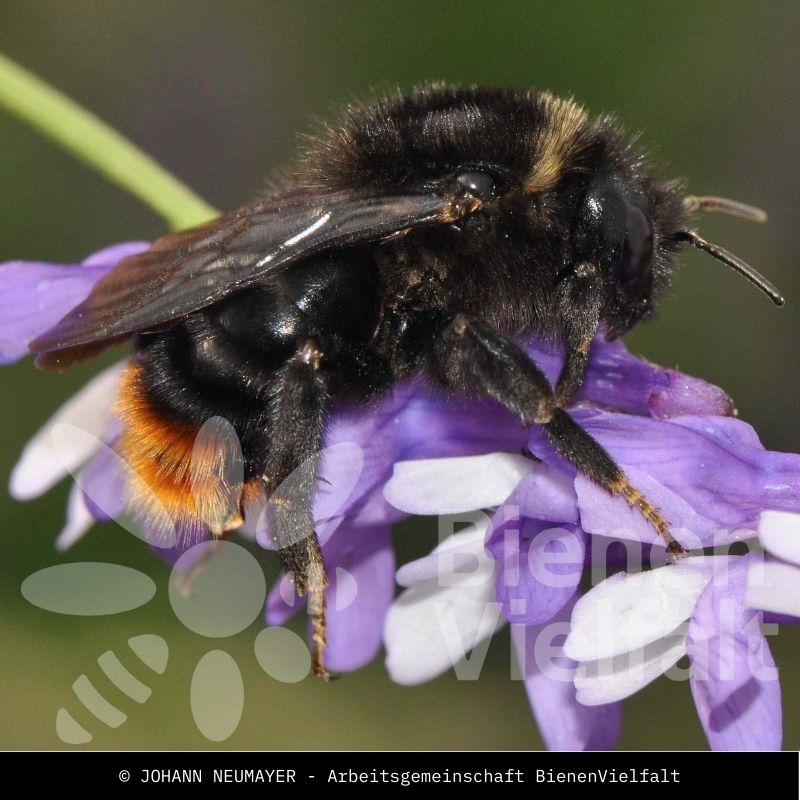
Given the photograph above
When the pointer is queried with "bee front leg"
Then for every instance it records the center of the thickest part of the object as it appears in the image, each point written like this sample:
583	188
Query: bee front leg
573	372
579	302
297	416
470	356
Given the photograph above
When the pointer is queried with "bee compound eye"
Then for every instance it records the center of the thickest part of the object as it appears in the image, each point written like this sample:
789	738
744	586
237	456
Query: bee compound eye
478	184
638	248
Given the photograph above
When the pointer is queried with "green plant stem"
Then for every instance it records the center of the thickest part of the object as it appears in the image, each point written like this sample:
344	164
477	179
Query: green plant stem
100	146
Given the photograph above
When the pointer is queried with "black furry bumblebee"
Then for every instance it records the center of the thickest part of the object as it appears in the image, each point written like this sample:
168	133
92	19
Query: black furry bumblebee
422	235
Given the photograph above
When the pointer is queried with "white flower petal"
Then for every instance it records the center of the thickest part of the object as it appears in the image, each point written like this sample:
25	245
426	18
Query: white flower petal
41	466
457	554
454	485
428	633
430	627
628	611
79	520
773	586
779	532
610	679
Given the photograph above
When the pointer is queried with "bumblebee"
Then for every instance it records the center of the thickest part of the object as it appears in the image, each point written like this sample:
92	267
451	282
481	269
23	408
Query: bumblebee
423	234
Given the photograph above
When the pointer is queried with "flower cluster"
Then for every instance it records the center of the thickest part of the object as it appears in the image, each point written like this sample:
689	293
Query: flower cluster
536	530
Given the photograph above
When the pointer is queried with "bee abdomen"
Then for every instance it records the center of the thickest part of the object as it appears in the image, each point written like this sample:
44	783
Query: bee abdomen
181	476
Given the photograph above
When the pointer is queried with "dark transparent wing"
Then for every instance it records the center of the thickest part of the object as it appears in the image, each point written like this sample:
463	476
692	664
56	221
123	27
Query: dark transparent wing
192	269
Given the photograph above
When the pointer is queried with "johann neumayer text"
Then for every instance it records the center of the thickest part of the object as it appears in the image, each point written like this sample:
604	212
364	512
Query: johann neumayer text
218	776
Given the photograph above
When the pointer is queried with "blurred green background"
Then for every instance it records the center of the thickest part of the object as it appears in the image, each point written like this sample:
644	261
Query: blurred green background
217	92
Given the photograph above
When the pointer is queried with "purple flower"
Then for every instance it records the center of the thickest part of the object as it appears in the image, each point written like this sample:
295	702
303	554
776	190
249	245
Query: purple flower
711	478
424	453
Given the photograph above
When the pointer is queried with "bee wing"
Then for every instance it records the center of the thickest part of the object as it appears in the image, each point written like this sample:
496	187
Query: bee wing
186	271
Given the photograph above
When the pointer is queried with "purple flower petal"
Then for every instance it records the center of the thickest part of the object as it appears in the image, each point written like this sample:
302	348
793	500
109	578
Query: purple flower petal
771	618
114	253
35	295
359	456
103	485
733	677
454	426
725	430
362	587
361	448
563	722
546	494
375	511
681	394
340	472
601	513
355	463
539	566
616	379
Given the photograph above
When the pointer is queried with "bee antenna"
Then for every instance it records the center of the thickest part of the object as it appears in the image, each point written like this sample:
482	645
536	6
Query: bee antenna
723	205
735	263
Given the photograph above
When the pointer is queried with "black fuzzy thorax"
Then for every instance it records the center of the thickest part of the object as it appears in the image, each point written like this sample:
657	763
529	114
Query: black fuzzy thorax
397	141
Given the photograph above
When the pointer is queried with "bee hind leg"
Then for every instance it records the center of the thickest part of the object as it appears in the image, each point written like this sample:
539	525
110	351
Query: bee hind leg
297	417
185	582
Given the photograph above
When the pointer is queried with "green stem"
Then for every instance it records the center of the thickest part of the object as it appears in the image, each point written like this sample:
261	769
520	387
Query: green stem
100	146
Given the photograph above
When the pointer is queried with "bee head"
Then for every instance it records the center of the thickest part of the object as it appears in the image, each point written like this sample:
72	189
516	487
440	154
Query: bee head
627	227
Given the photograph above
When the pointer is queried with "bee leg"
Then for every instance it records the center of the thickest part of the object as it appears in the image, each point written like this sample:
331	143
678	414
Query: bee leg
471	356
297	413
580	305
230	525
573	372
184	582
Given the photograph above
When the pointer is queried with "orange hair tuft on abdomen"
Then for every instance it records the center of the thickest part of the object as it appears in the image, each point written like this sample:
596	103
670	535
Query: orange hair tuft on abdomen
178	473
